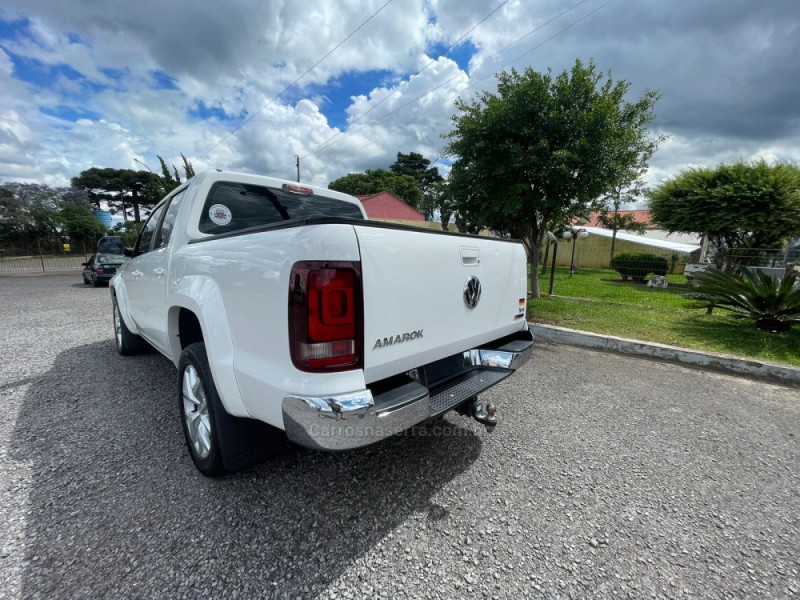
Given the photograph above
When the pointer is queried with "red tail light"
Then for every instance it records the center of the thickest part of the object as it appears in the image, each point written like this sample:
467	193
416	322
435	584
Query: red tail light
326	316
99	269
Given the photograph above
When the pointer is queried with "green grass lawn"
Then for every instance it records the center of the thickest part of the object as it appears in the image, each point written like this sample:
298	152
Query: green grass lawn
597	300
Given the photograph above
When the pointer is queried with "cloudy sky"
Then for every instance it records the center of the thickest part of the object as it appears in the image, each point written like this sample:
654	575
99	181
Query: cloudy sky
102	83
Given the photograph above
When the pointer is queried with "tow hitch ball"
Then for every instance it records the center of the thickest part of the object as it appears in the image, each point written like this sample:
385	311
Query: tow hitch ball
486	416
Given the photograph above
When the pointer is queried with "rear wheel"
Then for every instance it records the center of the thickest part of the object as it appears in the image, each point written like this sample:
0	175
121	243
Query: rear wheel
127	343
199	404
95	282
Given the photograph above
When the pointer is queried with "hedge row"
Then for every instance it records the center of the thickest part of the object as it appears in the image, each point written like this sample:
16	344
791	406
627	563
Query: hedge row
638	265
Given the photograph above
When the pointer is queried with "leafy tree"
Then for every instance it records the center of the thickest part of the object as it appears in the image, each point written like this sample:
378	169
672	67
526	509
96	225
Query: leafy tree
452	194
741	205
169	181
635	153
374	181
128	232
428	177
115	185
542	147
610	216
13	217
142	189
31	212
446	203
78	221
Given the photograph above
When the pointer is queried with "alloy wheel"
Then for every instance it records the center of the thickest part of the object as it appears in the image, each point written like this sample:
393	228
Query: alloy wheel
117	326
195	412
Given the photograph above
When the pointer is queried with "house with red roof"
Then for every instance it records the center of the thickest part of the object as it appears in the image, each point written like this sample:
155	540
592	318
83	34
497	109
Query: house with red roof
385	206
639	216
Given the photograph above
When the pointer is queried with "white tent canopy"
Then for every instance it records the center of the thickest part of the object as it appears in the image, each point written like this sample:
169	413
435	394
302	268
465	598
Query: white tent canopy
643	240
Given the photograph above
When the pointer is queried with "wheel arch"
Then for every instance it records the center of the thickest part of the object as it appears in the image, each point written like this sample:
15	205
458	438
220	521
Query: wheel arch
117	290
189	321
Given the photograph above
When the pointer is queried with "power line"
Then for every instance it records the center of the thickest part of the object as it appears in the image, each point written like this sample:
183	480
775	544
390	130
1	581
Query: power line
487	59
328	143
432	61
324	144
306	72
539	45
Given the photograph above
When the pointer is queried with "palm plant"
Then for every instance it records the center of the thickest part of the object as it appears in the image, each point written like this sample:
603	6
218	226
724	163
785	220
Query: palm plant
751	294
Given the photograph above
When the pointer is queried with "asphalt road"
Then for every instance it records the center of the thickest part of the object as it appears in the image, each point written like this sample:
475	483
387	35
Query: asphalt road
606	477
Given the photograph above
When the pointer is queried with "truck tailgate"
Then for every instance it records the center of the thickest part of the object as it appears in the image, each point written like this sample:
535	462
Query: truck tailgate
415	307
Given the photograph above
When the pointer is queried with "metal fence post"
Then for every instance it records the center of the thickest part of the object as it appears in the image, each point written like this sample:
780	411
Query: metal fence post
786	260
553	268
41	258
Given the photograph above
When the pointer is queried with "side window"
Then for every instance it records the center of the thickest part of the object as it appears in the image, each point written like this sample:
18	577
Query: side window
165	233
148	231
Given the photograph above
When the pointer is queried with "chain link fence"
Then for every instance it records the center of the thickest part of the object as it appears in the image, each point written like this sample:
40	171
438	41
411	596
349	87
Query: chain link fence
649	276
43	256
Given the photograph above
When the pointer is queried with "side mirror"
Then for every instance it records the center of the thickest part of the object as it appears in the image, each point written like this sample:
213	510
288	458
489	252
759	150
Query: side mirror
85	264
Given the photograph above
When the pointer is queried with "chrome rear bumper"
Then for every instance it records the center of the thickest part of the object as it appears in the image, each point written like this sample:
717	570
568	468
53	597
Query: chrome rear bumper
347	421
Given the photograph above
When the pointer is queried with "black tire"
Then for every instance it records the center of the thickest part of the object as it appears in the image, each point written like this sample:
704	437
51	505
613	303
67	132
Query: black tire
127	343
85	281
95	283
200	406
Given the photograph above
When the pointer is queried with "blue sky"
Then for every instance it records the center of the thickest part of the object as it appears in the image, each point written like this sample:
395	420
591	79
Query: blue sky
105	84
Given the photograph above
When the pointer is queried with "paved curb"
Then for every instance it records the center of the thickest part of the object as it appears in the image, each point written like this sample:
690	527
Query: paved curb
695	358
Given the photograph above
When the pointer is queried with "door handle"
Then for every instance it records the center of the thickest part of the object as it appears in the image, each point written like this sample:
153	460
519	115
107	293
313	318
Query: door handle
159	272
137	273
470	257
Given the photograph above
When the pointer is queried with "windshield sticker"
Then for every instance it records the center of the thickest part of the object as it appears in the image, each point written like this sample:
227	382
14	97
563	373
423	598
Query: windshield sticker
220	214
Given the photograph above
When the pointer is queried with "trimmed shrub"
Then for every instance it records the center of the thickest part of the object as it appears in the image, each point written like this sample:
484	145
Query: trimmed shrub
638	265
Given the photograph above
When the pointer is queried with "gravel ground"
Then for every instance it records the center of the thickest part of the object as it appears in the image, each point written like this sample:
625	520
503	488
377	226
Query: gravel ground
606	477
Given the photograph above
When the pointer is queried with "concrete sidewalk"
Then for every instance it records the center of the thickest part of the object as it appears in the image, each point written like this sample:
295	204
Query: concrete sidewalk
696	358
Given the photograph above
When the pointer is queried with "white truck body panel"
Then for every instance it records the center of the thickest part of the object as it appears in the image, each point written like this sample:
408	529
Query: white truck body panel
414	281
237	286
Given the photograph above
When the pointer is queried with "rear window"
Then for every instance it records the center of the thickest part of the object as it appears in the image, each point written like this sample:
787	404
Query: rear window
233	206
111	245
109	258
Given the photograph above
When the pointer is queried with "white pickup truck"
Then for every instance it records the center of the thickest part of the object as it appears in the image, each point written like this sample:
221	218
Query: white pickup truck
285	310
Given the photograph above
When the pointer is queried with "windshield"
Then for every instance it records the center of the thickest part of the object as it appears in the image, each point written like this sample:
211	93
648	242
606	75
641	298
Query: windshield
111	245
110	258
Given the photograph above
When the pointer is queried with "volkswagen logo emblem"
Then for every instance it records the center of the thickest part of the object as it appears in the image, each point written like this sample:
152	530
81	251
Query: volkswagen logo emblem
472	292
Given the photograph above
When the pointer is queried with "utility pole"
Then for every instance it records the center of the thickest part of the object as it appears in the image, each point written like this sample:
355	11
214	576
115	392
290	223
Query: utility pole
297	162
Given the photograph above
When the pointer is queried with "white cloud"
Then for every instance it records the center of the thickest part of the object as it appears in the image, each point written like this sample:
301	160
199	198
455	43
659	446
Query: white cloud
725	70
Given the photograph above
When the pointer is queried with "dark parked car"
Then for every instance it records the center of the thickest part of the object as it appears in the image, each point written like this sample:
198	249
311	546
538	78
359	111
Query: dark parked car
101	268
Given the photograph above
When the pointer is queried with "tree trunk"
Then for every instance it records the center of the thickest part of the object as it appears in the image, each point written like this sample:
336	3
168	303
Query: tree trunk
533	260
135	200
544	262
613	245
124	210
